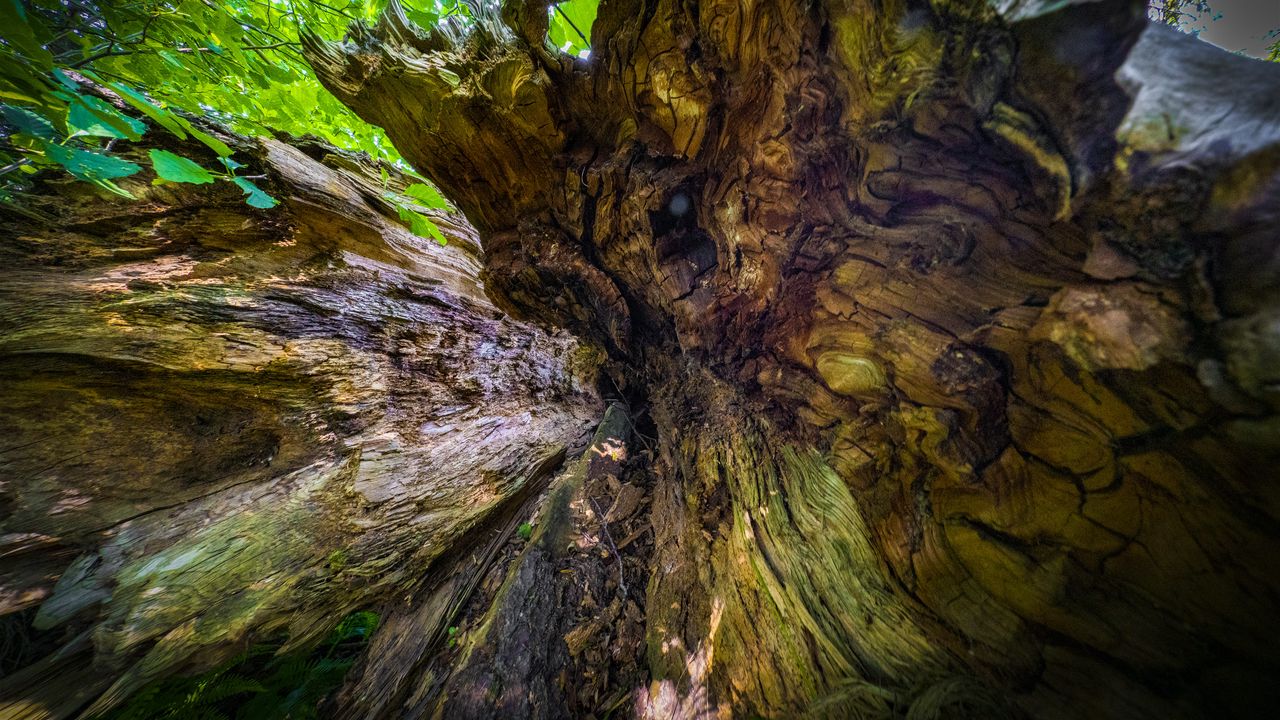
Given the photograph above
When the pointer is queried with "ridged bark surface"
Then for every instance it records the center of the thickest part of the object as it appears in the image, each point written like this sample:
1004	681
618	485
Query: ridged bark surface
942	338
956	324
225	423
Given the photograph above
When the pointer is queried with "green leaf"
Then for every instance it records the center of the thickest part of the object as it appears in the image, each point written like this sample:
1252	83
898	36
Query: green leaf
176	168
19	82
426	195
65	80
162	117
88	165
228	686
436	234
421	225
192	61
257	198
210	141
360	624
20	32
91	166
91	116
28	122
422	18
570	24
114	188
171	59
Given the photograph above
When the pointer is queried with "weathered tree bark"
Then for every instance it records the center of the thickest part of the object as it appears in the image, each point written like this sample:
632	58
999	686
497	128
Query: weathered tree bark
950	338
958	327
224	422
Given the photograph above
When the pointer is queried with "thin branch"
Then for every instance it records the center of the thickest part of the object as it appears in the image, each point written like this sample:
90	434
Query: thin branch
14	166
339	11
98	56
575	27
604	525
272	46
187	50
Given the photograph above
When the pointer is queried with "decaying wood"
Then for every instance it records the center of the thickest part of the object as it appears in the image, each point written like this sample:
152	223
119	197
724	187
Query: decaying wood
225	423
958	326
950	332
508	667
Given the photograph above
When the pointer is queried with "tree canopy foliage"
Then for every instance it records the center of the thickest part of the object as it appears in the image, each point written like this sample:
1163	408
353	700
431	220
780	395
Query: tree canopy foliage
236	63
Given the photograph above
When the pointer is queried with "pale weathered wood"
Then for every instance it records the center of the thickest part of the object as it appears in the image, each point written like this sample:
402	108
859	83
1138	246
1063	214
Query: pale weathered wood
223	423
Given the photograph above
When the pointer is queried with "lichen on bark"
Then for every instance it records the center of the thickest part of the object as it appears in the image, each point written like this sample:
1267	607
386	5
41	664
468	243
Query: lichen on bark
228	423
953	373
925	249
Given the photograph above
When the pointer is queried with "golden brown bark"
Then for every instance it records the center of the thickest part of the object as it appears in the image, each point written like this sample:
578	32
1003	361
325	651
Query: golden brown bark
949	336
957	327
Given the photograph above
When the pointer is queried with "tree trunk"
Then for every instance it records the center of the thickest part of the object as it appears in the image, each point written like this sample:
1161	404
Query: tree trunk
957	327
943	343
224	422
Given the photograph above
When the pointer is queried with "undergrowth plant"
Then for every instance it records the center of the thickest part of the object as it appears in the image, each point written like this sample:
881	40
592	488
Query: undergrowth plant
259	684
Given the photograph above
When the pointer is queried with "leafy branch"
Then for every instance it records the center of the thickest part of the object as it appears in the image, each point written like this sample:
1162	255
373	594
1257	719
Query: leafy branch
235	61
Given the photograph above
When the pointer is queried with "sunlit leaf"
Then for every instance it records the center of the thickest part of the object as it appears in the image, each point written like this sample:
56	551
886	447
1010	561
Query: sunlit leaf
426	195
91	116
176	168
237	63
88	165
569	24
210	141
171	59
421	225
257	198
436	234
160	115
422	18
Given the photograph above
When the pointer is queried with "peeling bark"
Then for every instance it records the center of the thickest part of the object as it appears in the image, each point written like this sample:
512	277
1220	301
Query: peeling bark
956	325
225	423
948	333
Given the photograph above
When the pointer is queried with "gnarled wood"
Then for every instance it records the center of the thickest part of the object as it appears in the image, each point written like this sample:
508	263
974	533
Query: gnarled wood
949	330
224	423
956	324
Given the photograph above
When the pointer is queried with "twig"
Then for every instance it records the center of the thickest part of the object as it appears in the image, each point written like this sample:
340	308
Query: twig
99	56
338	11
575	27
133	51
272	46
14	166
622	583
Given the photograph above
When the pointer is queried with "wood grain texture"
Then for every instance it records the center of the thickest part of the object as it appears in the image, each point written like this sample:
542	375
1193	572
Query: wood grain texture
1008	278
224	423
